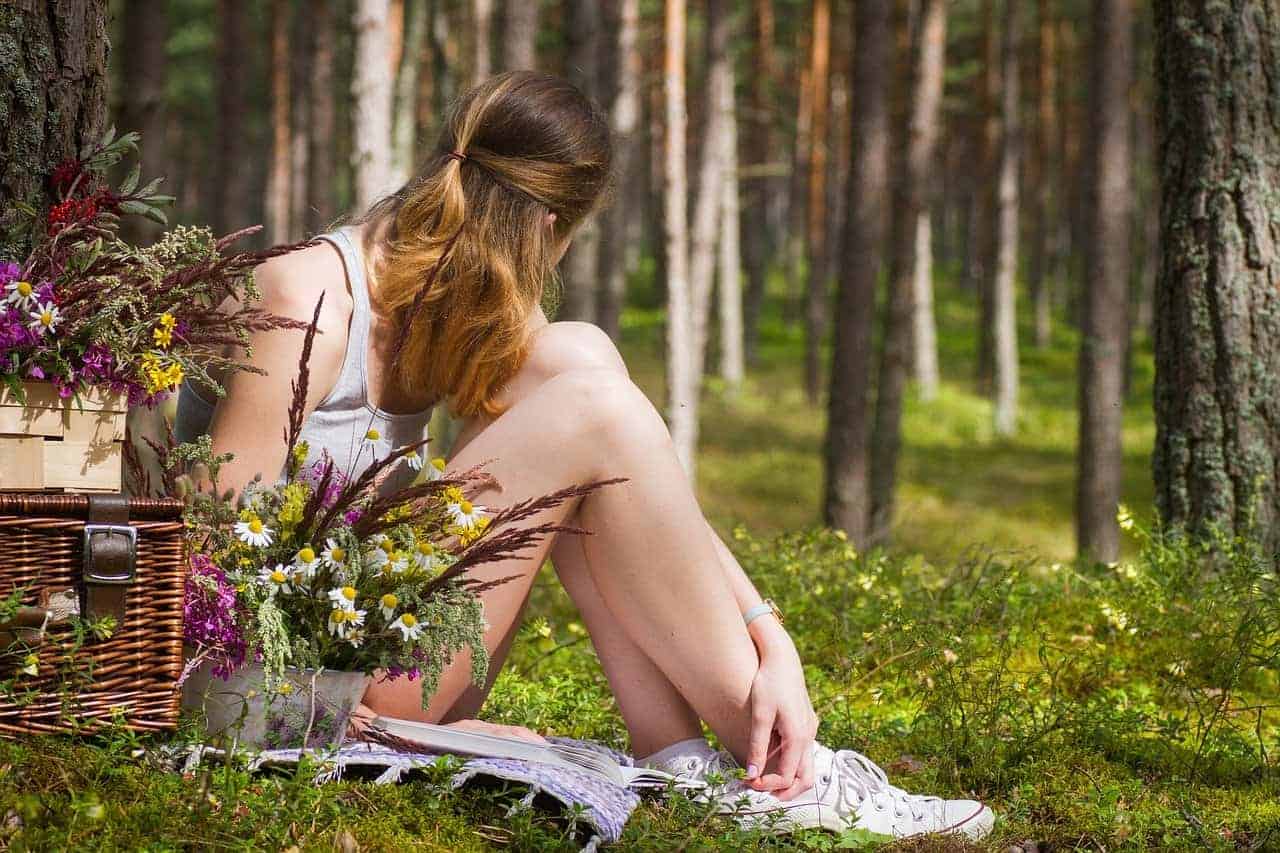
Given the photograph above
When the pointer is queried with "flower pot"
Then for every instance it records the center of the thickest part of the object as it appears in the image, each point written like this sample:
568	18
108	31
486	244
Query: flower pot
47	442
310	708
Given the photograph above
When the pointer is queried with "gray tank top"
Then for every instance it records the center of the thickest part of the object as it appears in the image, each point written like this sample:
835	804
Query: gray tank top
343	419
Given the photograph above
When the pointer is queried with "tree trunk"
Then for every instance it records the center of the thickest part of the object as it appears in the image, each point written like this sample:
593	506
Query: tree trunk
231	208
1004	317
816	303
581	265
846	493
371	104
281	168
1217	307
624	120
482	23
682	381
302	51
1043	177
404	124
924	332
709	201
985	197
53	99
1106	285
732	368
761	150
925	95
144	60
321	157
520	34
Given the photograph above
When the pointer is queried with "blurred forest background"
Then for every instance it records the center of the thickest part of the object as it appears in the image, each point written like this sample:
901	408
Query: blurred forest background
975	125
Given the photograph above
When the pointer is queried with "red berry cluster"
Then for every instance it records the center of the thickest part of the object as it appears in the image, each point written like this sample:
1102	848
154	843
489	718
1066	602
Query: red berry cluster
72	211
64	176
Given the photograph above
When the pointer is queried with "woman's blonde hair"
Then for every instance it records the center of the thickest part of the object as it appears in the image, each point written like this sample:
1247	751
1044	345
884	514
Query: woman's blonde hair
464	252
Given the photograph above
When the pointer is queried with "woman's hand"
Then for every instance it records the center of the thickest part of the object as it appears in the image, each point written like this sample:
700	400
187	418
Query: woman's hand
783	723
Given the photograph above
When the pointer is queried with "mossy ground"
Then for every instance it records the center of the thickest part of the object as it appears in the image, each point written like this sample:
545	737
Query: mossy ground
1094	708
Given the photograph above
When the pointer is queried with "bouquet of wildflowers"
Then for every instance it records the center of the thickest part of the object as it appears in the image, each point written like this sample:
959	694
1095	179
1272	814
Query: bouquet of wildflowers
322	569
86	310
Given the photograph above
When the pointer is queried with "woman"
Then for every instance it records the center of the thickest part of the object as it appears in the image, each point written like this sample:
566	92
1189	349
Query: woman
433	296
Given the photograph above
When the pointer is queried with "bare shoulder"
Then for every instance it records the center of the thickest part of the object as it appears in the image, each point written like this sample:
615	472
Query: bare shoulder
569	345
292	284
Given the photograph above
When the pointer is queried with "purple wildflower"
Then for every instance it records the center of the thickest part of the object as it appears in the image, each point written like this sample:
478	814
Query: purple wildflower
44	291
9	271
352	515
209	617
337	481
35	371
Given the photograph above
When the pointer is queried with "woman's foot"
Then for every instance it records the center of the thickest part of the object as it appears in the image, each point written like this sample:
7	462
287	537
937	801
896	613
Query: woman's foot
850	792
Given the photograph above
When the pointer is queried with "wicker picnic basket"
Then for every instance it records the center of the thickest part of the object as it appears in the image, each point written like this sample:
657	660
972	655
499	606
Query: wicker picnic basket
92	556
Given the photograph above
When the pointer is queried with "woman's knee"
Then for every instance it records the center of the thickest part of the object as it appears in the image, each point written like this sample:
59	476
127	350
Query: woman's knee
610	411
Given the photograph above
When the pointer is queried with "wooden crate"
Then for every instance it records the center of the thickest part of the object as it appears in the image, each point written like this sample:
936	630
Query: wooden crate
51	444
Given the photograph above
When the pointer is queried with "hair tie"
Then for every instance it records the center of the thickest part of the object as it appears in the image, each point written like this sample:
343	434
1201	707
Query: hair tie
456	155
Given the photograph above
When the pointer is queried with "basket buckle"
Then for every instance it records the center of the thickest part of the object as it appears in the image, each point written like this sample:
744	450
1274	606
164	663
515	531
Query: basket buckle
110	564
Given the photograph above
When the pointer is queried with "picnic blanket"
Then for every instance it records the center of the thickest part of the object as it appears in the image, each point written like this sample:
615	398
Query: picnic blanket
606	806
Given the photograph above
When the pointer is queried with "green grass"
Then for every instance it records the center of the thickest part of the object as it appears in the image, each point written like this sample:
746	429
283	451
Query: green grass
1095	708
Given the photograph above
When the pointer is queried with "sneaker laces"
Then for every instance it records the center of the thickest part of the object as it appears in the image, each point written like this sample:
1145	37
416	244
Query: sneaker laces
858	779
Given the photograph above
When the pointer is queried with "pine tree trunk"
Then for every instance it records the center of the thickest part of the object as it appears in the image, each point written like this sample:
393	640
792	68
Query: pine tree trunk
404	123
302	50
624	120
1106	285
847	498
231	177
682	381
482	55
371	104
761	151
925	94
986	197
520	34
1217	336
581	265
816	303
729	285
321	158
1042	175
924	332
280	170
145	63
1003	287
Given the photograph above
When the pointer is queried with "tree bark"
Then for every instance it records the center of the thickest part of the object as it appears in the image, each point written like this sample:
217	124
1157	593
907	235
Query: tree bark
145	63
281	167
231	177
925	95
816	302
732	367
302	52
520	34
682	381
846	494
983	233
924	332
1043	176
581	265
371	104
1217	336
761	148
709	200
624	120
1106	286
404	124
323	122
482	55
1004	317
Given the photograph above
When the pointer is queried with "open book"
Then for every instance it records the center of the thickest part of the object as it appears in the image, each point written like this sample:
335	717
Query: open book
407	734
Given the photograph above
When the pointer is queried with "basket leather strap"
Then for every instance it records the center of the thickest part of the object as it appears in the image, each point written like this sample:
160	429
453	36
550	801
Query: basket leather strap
110	558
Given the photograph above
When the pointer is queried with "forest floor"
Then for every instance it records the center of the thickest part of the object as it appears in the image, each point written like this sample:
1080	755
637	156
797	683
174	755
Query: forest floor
1093	707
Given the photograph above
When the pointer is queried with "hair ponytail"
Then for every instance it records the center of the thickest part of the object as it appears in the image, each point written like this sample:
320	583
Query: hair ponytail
465	250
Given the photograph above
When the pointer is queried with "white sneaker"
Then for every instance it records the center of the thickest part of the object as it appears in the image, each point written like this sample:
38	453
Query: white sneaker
850	792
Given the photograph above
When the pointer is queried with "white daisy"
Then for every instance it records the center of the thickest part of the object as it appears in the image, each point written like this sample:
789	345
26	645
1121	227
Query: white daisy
276	580
306	562
20	293
254	532
435	470
45	318
334	555
408	626
414	460
356	638
343	597
466	515
376	559
343	622
424	556
387	606
398	562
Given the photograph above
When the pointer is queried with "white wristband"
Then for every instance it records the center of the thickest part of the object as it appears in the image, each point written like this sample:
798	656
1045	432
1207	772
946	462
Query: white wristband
754	613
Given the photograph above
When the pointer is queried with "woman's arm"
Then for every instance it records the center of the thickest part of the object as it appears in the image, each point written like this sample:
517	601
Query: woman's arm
250	421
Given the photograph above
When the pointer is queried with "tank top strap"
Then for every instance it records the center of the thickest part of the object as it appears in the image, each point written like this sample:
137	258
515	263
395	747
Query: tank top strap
352	384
